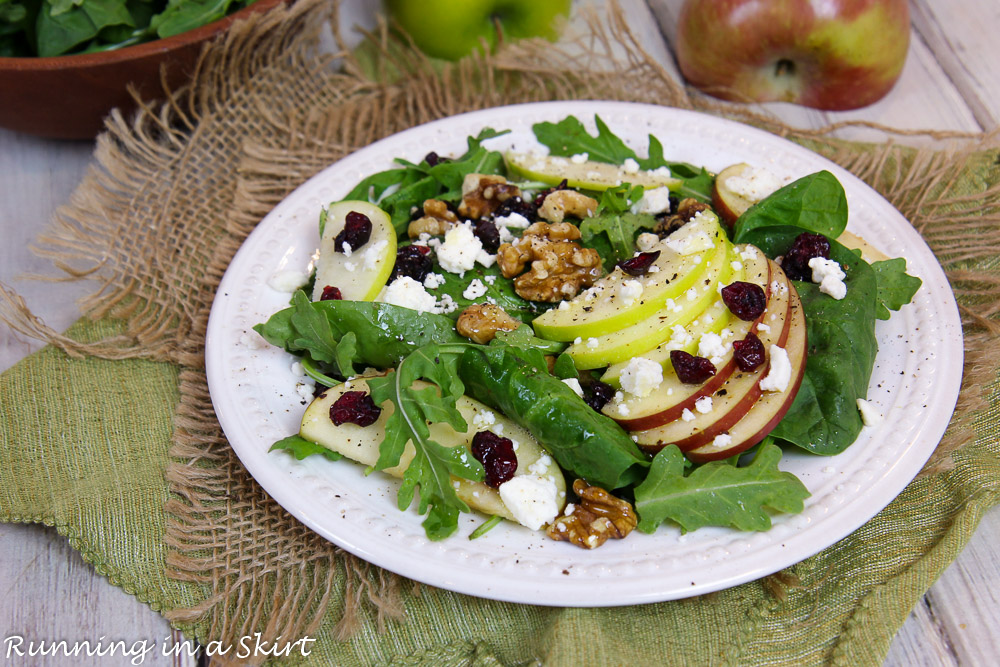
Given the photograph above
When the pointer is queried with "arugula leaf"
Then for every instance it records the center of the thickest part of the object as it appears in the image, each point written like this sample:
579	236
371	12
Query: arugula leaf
498	288
569	137
433	464
315	335
717	493
895	286
815	203
300	448
617	223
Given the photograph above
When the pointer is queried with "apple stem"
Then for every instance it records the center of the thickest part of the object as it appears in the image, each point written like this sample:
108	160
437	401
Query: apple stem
784	67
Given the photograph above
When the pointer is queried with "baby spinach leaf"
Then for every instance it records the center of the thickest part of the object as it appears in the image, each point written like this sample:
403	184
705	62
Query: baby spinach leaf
183	15
385	334
717	493
433	464
824	417
895	286
698	182
498	288
300	448
59	33
815	203
614	227
524	338
583	441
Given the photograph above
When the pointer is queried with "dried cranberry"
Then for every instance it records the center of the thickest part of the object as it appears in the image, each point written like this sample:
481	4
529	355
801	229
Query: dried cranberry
517	205
488	233
748	353
806	246
356	407
745	300
413	261
356	232
497	456
540	197
596	394
433	159
639	265
691	369
331	293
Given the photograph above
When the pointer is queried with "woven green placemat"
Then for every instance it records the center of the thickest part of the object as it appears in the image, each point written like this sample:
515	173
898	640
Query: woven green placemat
109	434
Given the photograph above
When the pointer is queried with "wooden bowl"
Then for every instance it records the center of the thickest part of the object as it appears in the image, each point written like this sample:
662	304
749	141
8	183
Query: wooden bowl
67	97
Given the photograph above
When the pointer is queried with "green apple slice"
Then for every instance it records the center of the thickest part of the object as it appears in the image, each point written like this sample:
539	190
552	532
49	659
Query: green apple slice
363	274
361	444
586	175
684	258
645	335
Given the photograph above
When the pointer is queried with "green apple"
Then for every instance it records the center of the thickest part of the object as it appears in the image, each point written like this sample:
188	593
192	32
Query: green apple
450	29
836	54
684	257
646	334
363	274
361	444
586	174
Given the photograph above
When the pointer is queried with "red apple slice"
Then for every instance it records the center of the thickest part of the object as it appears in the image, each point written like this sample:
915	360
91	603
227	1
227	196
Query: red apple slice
672	397
732	401
769	408
725	202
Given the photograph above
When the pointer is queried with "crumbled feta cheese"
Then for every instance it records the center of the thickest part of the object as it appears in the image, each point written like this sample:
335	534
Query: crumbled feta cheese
630	166
541	466
579	158
641	376
869	415
434	280
297	369
780	373
623	410
287	281
373	253
711	347
305	391
680	336
563	305
574	384
654	201
578	340
661	172
490	279
722	440
346	248
737	265
486	259
483	419
646	241
252	341
532	501
350	266
830	277
763	327
749	253
475	290
460	249
753	183
703	405
407	292
629	291
446	305
691	294
592	343
687	415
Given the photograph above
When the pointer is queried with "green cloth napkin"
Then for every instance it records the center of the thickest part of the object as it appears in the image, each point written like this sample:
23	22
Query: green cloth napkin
123	455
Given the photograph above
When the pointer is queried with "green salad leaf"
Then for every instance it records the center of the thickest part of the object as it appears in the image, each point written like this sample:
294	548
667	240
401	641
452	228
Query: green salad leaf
896	287
569	137
816	203
824	417
498	288
717	493
300	448
613	228
433	464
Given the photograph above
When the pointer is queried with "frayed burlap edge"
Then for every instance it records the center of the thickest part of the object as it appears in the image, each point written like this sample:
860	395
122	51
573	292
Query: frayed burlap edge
160	276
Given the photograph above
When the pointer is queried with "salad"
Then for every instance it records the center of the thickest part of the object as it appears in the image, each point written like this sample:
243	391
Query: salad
587	341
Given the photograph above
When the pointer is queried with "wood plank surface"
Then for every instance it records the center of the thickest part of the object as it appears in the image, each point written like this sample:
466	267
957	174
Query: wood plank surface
951	82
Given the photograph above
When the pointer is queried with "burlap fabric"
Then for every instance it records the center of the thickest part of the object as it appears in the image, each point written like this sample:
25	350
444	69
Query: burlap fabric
109	435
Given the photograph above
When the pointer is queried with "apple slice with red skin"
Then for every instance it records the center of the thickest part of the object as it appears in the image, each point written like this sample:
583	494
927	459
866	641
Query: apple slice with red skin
668	401
769	408
731	402
728	204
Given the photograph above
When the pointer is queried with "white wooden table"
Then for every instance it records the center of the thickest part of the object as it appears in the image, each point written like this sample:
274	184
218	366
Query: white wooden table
951	82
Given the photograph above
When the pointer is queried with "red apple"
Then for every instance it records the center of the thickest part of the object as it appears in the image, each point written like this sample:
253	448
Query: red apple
668	401
769	408
728	204
827	54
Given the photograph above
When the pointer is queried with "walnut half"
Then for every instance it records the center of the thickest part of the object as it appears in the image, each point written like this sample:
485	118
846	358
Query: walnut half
437	220
480	322
482	194
559	266
598	517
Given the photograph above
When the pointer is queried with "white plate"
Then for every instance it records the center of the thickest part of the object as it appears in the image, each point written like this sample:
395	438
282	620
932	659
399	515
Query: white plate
915	385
